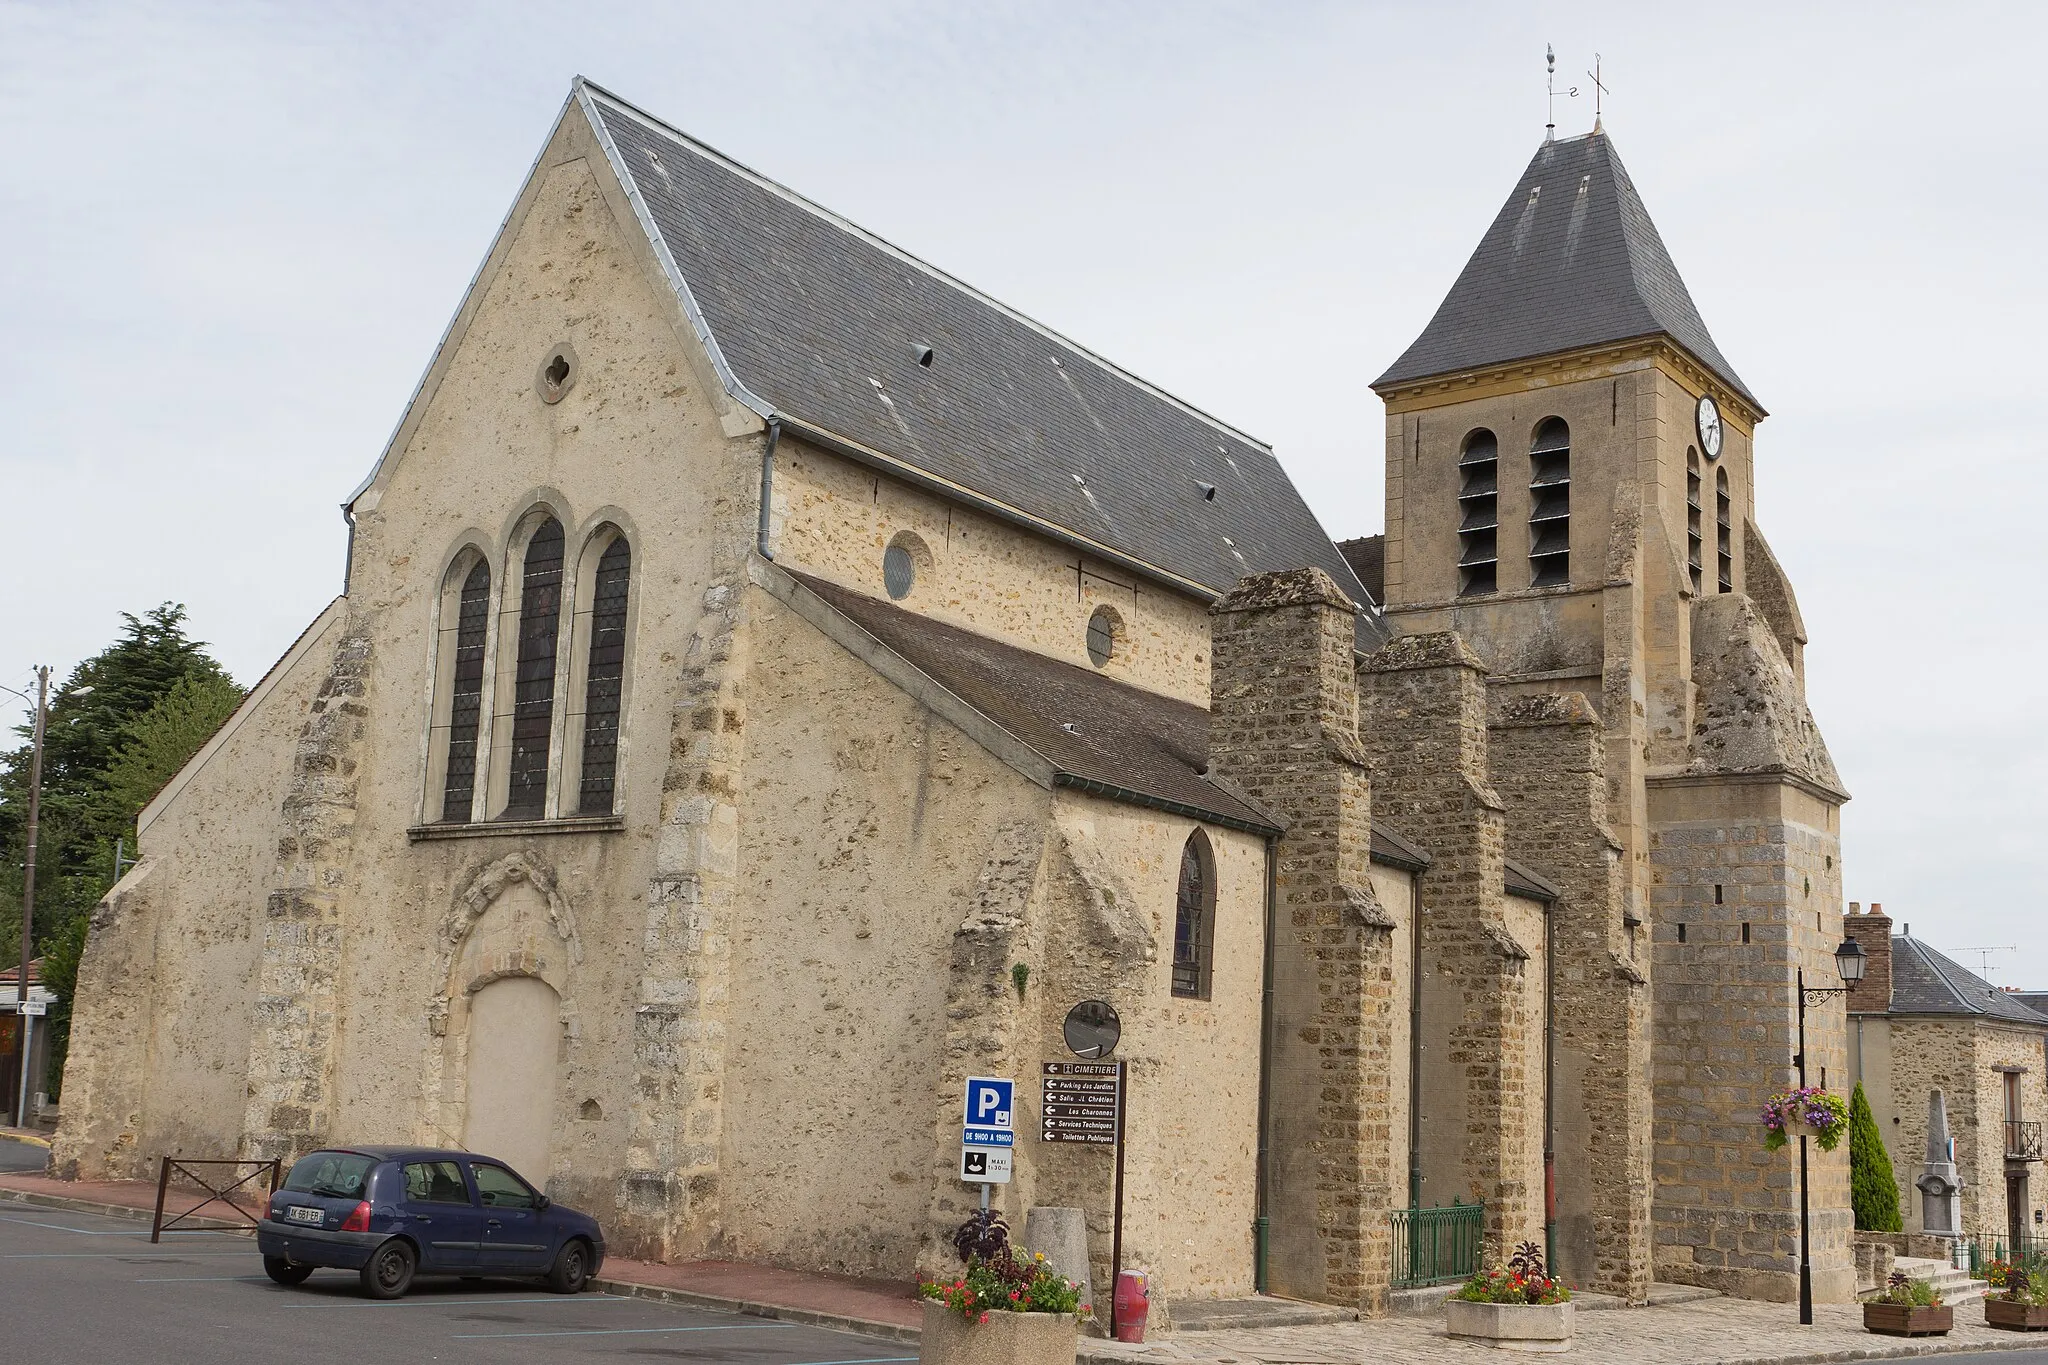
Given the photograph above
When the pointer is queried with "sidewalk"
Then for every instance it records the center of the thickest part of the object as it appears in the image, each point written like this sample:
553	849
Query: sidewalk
1701	1332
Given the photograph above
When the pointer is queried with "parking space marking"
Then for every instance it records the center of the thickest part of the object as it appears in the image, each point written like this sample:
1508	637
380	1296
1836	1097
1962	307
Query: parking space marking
623	1331
457	1303
122	1255
860	1360
82	1232
205	1279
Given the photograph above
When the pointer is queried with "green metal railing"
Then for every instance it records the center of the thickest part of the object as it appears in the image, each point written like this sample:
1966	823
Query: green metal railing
2030	1252
1437	1245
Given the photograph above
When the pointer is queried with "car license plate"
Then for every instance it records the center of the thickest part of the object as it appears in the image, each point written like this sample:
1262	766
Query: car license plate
299	1213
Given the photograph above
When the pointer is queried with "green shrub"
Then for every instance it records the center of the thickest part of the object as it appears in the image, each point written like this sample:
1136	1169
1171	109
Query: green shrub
1873	1188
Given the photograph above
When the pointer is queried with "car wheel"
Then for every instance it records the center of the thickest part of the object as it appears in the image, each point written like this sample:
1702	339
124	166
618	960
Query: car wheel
284	1272
571	1270
388	1272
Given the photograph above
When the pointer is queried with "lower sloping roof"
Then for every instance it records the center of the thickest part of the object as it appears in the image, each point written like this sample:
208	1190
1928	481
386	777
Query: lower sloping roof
1093	733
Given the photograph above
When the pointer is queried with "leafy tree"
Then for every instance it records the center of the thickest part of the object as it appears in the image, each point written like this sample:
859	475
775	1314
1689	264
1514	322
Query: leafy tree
120	725
161	740
1873	1188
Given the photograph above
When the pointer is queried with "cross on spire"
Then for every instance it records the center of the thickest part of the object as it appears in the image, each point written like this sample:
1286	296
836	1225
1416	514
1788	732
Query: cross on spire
1598	90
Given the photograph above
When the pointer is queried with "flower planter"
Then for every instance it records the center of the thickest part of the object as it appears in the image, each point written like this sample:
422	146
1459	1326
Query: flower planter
2016	1317
1901	1320
1005	1339
1511	1326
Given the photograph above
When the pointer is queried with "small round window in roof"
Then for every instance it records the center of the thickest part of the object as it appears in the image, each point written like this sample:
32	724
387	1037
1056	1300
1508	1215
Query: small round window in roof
906	558
1105	636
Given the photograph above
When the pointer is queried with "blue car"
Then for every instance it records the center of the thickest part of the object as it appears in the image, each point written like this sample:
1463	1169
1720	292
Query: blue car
390	1213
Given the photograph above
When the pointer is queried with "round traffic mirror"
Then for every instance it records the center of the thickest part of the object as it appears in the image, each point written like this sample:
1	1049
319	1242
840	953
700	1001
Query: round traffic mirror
1092	1029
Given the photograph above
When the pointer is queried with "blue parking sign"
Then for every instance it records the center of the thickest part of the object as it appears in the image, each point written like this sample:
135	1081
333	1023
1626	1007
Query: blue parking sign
990	1102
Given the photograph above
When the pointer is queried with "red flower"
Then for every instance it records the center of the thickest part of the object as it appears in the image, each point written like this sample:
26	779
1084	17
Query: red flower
984	1317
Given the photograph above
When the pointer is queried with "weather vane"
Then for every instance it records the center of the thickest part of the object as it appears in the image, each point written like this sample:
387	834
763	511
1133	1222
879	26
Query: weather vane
1550	89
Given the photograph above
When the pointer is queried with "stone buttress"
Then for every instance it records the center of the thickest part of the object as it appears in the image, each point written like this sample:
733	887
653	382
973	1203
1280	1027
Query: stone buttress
1425	724
1283	730
1545	755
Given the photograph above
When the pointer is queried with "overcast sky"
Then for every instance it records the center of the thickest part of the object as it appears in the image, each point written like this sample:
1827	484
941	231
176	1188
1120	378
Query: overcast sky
230	236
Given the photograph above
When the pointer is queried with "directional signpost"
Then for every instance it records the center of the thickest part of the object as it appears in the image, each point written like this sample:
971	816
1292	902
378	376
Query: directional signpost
1079	1102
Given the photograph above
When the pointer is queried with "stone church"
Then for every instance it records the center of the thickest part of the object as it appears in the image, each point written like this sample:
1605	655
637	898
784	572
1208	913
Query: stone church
775	681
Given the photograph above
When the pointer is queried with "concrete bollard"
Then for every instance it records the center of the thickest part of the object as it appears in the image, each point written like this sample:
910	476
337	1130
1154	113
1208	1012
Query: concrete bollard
1062	1234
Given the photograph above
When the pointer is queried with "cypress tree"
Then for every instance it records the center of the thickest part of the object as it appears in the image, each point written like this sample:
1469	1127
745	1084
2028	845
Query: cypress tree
1873	1189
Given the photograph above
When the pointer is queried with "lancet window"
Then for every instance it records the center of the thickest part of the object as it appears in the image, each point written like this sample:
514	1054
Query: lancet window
1694	543
533	704
1194	918
1724	531
466	691
604	678
1478	514
1550	505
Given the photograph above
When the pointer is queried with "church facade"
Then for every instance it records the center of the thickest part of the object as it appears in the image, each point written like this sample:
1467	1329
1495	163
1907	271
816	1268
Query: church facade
775	681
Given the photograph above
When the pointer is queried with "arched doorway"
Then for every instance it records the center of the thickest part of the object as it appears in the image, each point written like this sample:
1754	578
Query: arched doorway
514	1038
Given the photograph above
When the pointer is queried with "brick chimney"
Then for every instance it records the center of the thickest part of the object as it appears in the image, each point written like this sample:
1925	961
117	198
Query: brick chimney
1873	994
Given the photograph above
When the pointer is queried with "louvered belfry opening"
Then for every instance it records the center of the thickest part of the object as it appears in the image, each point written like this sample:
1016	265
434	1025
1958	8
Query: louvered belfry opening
605	680
1193	918
1694	543
533	705
466	696
1724	532
1479	515
1550	505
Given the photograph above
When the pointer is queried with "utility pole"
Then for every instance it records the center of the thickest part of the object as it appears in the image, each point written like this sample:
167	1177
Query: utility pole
28	890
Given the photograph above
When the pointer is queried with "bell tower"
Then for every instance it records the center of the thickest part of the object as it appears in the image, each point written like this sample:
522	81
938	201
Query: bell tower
1570	481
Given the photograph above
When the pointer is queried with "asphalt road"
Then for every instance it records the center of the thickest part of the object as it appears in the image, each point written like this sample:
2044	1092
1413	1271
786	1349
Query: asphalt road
91	1290
22	1156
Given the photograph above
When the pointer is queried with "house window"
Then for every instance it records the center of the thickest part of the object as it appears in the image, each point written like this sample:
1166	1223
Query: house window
533	697
1105	636
1723	508
1478	514
1194	918
604	678
466	692
1693	540
1550	506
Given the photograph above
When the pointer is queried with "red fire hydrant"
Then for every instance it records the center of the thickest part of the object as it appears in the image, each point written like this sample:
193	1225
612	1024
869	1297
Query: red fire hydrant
1133	1302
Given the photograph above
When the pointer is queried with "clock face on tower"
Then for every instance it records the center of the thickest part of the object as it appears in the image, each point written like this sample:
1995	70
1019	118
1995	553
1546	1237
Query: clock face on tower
1707	417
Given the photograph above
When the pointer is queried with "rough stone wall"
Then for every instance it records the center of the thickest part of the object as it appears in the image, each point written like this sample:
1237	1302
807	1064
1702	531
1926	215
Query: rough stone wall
1546	762
160	1029
1424	722
1728	853
1963	1057
835	519
1104	924
868	823
1771	590
1751	713
291	1103
2000	1048
1283	729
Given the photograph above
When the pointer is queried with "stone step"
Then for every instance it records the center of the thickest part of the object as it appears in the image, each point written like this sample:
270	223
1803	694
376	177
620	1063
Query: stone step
1954	1286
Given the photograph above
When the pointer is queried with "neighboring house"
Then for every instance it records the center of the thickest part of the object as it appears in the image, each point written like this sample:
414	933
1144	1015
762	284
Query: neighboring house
1920	1022
757	646
11	1034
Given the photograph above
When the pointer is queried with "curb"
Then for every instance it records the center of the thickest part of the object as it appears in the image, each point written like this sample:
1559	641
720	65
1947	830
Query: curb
809	1317
26	1139
2023	1342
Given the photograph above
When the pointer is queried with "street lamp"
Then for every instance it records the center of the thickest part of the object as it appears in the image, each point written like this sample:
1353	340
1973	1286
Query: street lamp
1850	960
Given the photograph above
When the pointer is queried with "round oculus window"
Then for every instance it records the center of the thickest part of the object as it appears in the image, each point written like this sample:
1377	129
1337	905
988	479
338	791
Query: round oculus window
899	571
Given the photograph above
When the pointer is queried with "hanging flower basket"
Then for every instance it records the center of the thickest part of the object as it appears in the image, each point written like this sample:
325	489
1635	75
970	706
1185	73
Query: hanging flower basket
1809	1112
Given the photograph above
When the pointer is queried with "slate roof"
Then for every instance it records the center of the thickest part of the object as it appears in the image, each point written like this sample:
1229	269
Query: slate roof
815	320
1094	731
1573	260
1925	982
2033	1000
